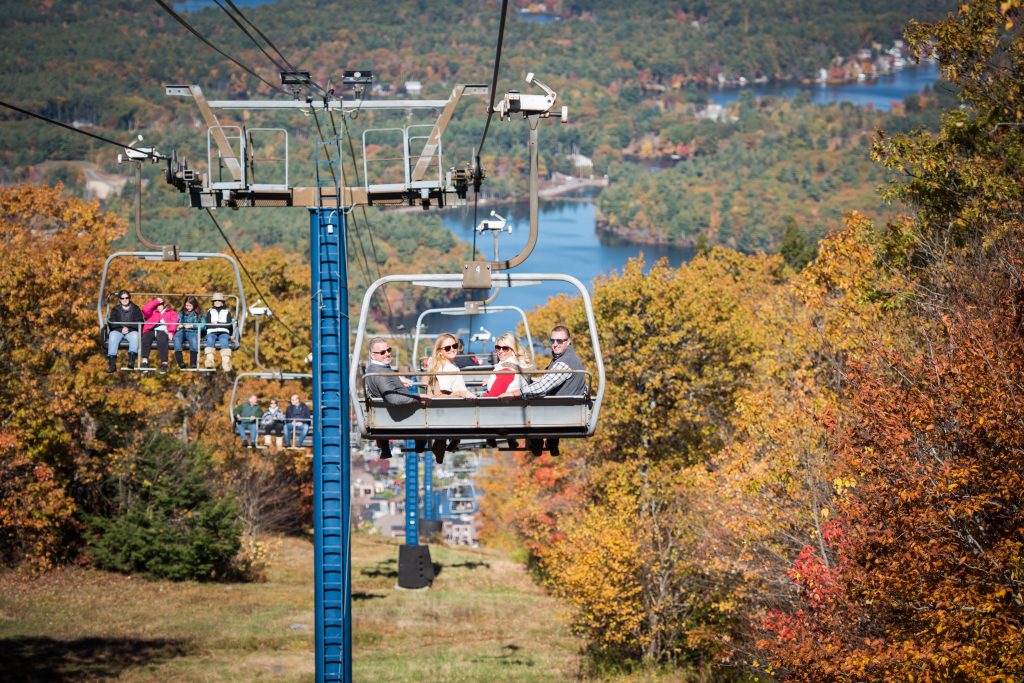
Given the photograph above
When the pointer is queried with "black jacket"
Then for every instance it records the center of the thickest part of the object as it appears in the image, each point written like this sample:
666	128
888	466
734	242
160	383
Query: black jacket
130	318
299	412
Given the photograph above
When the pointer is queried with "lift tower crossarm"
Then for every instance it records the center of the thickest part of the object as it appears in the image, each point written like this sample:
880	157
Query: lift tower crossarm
233	162
430	147
245	194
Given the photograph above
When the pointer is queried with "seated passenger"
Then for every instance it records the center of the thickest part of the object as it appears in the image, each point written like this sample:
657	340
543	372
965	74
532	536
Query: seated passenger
272	424
450	385
512	360
462	360
247	417
161	322
574	383
124	322
298	419
218	324
190	331
391	388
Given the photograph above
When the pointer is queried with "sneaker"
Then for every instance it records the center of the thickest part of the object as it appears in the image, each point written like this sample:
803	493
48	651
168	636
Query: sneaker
145	363
163	368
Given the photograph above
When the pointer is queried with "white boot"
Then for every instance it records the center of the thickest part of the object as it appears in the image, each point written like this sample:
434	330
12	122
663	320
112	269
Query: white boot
225	359
210	363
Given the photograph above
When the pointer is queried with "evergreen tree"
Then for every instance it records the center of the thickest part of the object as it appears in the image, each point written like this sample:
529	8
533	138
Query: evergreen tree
166	522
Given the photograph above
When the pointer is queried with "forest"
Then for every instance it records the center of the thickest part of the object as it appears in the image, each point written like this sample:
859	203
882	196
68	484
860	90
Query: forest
809	464
618	115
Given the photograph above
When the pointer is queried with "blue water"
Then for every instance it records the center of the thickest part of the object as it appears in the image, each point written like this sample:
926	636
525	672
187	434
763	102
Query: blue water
196	5
567	243
538	17
880	93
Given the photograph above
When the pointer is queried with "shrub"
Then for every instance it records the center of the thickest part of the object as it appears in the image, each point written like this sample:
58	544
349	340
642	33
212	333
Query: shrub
166	522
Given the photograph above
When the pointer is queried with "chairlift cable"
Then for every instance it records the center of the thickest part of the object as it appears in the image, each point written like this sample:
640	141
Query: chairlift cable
355	169
252	281
494	78
249	35
369	227
151	155
268	41
335	173
177	17
490	113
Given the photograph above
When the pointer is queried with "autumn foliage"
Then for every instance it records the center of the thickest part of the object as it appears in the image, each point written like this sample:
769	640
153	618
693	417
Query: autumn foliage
817	476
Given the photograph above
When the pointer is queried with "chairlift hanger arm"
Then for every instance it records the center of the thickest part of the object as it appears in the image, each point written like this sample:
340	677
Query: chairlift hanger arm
533	108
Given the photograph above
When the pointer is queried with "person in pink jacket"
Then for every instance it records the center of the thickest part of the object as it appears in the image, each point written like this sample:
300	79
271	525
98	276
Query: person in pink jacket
161	322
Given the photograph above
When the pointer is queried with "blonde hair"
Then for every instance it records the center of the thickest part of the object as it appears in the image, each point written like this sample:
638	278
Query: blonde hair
519	355
437	361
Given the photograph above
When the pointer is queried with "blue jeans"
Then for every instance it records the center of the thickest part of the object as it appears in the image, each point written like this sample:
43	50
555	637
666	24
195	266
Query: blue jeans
114	340
191	336
290	429
248	430
222	339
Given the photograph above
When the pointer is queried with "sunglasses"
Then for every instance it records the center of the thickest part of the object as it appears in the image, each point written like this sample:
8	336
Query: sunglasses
558	341
450	347
126	298
382	351
499	347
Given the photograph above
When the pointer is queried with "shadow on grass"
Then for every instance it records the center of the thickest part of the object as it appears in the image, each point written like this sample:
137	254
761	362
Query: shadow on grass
470	565
361	595
385	568
39	660
507	657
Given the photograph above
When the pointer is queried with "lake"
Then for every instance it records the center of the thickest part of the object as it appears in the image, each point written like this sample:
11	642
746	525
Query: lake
567	243
879	93
196	5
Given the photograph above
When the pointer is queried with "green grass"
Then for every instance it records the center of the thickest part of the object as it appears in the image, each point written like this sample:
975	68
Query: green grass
482	620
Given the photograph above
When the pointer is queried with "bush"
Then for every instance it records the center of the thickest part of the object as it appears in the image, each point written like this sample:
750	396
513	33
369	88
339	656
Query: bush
166	521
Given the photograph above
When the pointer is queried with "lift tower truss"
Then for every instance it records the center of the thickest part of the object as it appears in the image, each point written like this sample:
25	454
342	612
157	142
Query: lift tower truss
229	151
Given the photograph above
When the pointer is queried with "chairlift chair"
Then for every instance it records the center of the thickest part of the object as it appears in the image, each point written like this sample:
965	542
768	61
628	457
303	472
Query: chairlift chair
240	379
105	302
479	418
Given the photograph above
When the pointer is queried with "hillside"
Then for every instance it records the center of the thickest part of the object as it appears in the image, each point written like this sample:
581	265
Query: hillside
484	619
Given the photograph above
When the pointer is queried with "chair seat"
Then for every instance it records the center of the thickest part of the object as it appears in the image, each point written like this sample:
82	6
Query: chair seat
555	416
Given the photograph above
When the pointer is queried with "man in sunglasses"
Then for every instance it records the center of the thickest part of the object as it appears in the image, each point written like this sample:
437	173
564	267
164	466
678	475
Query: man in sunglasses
124	322
392	388
570	380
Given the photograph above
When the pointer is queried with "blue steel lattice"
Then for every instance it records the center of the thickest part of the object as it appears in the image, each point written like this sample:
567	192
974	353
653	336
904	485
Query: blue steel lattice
331	465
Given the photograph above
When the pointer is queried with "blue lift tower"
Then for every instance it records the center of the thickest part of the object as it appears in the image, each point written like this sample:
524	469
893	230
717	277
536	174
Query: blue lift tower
233	180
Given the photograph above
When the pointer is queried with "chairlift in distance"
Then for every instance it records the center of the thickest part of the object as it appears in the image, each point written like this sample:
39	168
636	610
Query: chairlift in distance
482	335
283	403
104	301
462	499
480	418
